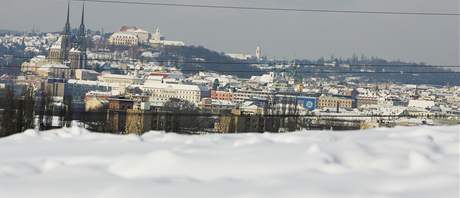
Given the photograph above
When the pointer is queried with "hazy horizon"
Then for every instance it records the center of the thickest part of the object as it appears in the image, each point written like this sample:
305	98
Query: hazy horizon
430	39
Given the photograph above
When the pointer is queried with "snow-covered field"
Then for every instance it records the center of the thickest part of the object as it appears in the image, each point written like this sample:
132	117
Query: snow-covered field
401	162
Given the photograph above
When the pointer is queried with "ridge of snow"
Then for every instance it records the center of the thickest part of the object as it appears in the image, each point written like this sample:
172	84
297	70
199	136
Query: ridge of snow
72	162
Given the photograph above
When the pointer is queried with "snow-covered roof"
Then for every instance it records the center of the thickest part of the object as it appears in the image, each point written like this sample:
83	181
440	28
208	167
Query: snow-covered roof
54	65
123	35
158	85
89	82
147	54
57	44
107	75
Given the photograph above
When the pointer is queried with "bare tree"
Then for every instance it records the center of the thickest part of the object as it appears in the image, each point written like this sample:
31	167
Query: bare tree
182	116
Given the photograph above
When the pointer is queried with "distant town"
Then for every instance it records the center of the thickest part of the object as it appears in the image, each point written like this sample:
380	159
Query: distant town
133	81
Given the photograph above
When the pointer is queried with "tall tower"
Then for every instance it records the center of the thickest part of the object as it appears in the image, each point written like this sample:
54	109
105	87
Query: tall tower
66	38
157	34
82	42
258	53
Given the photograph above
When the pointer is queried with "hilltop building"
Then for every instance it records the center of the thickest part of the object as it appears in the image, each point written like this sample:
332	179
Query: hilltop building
158	40
142	35
134	36
129	37
123	39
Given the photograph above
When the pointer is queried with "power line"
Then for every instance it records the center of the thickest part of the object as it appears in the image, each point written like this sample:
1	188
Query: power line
269	70
272	8
258	70
252	63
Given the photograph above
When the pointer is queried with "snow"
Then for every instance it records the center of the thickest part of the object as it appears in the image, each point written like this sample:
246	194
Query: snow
379	163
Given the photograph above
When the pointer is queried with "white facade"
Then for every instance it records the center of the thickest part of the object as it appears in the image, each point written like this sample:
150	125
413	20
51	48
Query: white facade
421	104
121	81
142	35
239	56
265	78
242	95
34	64
123	39
54	71
157	39
85	74
161	92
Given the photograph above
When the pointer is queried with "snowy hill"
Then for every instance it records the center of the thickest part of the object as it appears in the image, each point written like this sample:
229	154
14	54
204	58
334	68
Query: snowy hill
399	162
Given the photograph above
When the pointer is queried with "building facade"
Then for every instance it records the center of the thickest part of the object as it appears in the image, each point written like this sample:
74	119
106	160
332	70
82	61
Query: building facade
222	95
334	102
123	39
162	92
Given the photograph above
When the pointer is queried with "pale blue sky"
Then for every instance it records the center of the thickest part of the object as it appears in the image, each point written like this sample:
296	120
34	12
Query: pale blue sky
431	39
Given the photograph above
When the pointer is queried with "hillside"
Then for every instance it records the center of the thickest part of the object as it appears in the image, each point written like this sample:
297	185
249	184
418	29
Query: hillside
200	58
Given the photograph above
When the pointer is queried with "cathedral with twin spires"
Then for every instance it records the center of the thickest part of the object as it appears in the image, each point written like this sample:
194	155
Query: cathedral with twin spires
70	49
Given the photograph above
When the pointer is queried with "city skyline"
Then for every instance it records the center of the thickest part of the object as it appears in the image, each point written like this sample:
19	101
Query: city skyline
341	35
229	98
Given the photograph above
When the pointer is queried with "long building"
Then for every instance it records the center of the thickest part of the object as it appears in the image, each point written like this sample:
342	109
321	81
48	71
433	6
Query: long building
162	92
123	39
333	102
242	95
121	80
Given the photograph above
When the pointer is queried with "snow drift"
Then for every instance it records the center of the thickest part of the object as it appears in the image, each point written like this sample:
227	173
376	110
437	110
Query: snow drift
399	162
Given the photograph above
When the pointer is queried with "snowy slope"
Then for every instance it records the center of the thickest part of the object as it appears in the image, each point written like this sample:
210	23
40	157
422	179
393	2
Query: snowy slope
380	163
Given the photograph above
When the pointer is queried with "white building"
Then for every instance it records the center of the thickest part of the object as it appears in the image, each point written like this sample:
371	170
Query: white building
120	81
34	64
240	56
86	74
142	35
265	78
161	92
124	39
242	95
423	104
158	40
54	71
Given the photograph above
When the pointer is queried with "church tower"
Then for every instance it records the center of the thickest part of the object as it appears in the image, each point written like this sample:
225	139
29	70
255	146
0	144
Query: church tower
71	50
157	35
82	42
258	53
66	42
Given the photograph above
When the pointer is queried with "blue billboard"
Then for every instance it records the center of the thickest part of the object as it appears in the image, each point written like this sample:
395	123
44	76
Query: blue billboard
308	103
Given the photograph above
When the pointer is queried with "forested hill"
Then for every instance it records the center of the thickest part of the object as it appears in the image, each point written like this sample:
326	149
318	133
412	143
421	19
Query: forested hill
195	58
376	70
3	32
198	58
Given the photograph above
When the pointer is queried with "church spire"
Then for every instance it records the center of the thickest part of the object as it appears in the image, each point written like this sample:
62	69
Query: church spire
82	30
66	38
67	23
82	45
83	15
